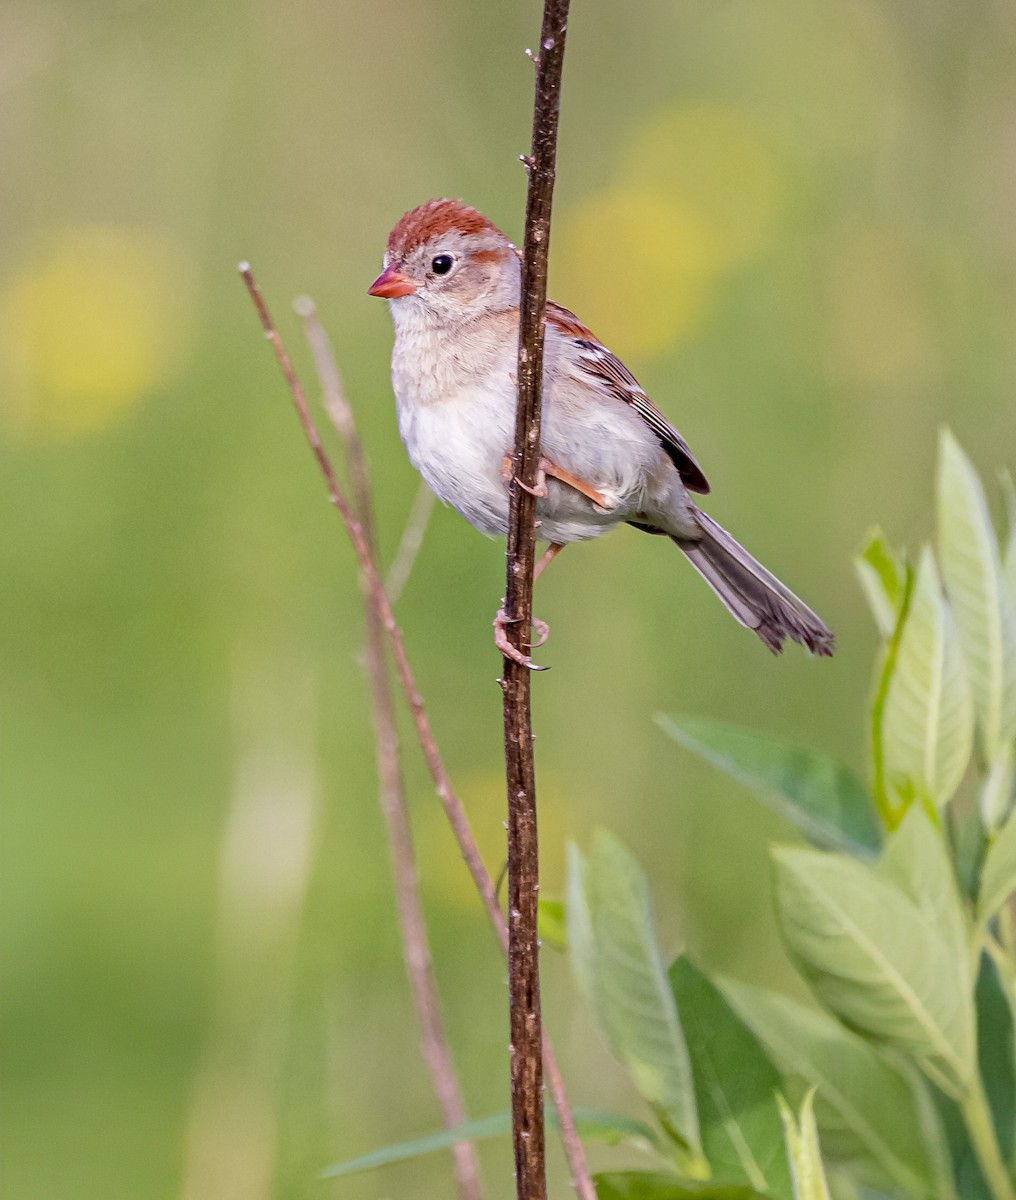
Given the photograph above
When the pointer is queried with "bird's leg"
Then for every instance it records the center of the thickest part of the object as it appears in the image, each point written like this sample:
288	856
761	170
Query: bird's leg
507	476
548	556
501	621
547	468
600	499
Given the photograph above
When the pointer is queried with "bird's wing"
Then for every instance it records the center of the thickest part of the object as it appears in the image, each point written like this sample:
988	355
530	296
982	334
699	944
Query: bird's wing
610	372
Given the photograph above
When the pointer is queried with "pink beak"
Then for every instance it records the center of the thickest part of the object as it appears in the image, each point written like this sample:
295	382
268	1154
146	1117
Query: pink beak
391	284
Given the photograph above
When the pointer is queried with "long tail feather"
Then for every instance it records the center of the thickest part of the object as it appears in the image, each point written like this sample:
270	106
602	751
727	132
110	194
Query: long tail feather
753	595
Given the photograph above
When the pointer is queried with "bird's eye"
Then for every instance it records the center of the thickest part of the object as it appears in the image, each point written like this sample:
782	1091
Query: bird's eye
442	264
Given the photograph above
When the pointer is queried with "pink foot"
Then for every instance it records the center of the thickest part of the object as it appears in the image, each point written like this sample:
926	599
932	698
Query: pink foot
501	623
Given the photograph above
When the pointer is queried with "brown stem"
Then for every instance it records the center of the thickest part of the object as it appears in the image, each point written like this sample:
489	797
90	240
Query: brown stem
391	793
412	540
574	1151
523	849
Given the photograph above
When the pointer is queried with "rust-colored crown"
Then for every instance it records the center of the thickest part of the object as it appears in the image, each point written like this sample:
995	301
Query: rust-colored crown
432	219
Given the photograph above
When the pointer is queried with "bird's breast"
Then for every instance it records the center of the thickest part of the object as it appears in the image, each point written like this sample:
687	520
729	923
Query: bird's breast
458	443
458	424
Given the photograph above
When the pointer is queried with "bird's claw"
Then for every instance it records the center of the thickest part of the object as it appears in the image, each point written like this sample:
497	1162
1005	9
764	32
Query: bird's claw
542	633
501	623
508	477
539	491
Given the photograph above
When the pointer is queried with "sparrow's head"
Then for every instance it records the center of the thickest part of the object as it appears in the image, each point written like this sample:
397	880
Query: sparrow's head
447	261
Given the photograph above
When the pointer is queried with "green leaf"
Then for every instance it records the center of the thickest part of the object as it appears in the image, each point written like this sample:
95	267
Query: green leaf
655	1185
890	809
579	936
1009	553
998	788
984	610
735	1087
996	1052
998	877
608	1127
867	1112
618	967
917	861
876	961
927	726
551	924
969	841
826	801
803	1150
969	1182
883	577
472	1131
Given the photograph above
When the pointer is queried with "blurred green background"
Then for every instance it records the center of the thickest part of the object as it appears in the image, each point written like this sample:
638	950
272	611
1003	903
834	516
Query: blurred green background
795	219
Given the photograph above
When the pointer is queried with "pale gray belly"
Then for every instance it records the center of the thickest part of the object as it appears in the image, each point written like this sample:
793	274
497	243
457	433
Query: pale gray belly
458	446
454	446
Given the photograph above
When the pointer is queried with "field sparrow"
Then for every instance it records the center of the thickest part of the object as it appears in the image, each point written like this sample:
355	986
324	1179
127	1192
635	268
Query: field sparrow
452	280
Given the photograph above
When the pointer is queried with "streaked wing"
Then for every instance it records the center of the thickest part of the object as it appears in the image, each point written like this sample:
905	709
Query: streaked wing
620	382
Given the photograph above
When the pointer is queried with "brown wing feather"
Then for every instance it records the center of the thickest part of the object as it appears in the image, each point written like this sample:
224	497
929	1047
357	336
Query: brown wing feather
609	370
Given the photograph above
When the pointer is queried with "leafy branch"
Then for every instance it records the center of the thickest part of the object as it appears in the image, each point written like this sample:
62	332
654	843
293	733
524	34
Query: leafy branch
898	918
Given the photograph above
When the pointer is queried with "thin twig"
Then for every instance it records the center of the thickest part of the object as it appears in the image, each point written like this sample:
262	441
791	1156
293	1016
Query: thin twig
573	1148
341	413
412	540
523	849
391	792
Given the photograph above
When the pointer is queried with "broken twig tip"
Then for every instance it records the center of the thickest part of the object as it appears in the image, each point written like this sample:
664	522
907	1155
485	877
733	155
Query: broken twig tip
304	306
244	268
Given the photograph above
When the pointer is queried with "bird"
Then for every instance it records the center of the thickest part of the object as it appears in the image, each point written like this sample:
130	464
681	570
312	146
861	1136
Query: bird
609	456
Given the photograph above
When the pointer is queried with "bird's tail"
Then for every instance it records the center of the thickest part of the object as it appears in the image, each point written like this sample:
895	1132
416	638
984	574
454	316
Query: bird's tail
753	595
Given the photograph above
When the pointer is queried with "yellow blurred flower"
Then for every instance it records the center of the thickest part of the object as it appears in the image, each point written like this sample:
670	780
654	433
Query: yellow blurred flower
716	163
697	193
91	324
635	267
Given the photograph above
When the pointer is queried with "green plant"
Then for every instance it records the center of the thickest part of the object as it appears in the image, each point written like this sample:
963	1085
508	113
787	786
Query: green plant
897	917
